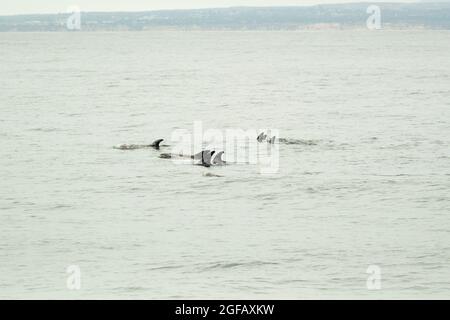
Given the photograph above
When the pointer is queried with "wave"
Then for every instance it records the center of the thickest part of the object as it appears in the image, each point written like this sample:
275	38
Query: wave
229	265
299	141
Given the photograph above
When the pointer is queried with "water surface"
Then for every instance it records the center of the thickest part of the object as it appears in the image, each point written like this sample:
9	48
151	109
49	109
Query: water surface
371	187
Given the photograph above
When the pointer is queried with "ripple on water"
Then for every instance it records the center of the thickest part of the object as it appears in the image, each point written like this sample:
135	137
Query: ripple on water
232	265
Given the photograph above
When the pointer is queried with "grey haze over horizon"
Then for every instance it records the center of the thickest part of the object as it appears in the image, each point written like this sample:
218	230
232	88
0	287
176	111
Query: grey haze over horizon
24	7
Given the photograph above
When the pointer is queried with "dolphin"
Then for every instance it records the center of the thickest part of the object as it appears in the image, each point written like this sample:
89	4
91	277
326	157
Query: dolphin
155	144
261	137
205	157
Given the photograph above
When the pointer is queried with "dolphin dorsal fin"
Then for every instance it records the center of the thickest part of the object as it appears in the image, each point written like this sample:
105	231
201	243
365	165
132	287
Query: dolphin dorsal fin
156	143
261	137
206	157
218	158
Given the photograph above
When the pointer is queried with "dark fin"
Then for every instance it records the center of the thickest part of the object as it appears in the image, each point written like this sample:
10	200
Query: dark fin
261	137
272	141
218	158
206	158
156	143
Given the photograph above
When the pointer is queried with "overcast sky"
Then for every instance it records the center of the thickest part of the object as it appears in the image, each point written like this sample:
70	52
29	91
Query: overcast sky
8	7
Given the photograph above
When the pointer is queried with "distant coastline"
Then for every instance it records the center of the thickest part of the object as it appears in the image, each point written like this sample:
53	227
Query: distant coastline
330	16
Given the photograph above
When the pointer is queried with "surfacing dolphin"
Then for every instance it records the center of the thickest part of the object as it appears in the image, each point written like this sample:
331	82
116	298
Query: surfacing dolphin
205	157
155	144
262	136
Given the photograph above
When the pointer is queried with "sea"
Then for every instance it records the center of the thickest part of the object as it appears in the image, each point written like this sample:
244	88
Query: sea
358	206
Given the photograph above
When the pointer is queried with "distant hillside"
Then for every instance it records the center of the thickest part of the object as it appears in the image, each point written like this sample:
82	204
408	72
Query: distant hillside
417	15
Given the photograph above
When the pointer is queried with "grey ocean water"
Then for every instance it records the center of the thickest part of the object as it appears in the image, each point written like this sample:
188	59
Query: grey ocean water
368	183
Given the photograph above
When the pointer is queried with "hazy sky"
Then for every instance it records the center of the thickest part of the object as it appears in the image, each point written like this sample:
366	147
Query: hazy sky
8	7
